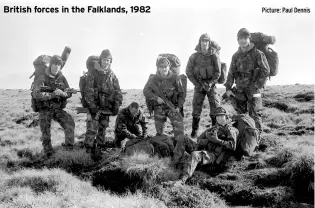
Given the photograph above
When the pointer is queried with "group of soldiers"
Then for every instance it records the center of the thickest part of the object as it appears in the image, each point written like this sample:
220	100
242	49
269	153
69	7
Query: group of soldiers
165	96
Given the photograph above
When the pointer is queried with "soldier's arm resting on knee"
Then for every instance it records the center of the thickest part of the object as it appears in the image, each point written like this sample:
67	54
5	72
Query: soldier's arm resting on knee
37	94
264	69
190	70
231	75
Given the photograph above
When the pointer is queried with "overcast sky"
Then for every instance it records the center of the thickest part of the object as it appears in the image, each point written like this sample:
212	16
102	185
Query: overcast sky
135	40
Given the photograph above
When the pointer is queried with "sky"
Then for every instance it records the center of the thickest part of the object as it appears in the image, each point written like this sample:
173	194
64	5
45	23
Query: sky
136	39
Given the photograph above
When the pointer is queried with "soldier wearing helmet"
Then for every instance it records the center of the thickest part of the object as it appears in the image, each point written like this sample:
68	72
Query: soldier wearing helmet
249	70
171	87
214	146
51	104
203	70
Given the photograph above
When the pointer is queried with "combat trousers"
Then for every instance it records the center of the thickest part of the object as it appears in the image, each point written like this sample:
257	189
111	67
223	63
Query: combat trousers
63	118
161	114
183	143
199	97
96	130
136	130
244	102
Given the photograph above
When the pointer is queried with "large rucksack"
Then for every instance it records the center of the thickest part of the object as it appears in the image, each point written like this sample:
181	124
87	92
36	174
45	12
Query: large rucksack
41	63
82	82
163	145
248	138
262	42
137	145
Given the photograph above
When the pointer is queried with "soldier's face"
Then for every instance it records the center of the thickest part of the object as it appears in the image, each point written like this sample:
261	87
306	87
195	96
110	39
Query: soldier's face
134	111
243	41
221	119
105	63
164	70
55	68
204	45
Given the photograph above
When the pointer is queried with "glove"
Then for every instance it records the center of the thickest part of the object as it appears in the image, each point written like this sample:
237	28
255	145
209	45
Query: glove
60	93
212	136
229	93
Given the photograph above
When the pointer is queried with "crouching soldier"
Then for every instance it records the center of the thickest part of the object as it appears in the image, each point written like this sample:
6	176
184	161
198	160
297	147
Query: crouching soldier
130	124
164	95
51	104
103	96
213	146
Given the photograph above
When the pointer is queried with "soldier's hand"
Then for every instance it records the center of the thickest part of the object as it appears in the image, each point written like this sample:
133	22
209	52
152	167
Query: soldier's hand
206	87
213	137
229	93
160	101
60	93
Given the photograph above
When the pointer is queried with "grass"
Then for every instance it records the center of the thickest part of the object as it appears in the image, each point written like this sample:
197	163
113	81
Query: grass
278	175
56	188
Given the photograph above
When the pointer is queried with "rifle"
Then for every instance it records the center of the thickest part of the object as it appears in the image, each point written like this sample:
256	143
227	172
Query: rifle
50	89
164	98
203	84
98	114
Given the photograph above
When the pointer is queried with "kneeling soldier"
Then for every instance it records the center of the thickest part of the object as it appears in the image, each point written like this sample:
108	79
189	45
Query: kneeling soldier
130	124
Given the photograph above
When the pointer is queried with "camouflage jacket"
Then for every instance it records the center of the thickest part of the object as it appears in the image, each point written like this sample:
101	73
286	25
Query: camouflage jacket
227	135
248	69
47	100
198	60
171	86
102	89
125	123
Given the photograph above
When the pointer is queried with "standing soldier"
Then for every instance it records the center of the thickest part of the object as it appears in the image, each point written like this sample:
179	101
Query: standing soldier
130	124
250	70
164	95
214	146
102	94
51	104
203	70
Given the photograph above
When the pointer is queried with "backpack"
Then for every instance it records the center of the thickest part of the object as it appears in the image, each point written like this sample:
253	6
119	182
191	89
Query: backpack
138	145
40	64
163	145
224	72
82	82
262	41
175	68
174	60
248	138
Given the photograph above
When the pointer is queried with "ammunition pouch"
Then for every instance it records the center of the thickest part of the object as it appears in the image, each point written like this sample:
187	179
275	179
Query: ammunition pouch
204	72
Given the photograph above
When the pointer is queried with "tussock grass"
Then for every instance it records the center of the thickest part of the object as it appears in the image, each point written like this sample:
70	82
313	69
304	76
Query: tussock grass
69	160
187	197
152	168
56	188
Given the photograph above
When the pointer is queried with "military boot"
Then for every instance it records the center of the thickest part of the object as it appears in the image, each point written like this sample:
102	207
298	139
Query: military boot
195	127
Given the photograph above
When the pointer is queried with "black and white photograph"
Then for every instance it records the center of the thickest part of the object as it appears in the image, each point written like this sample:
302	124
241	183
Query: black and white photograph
153	104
